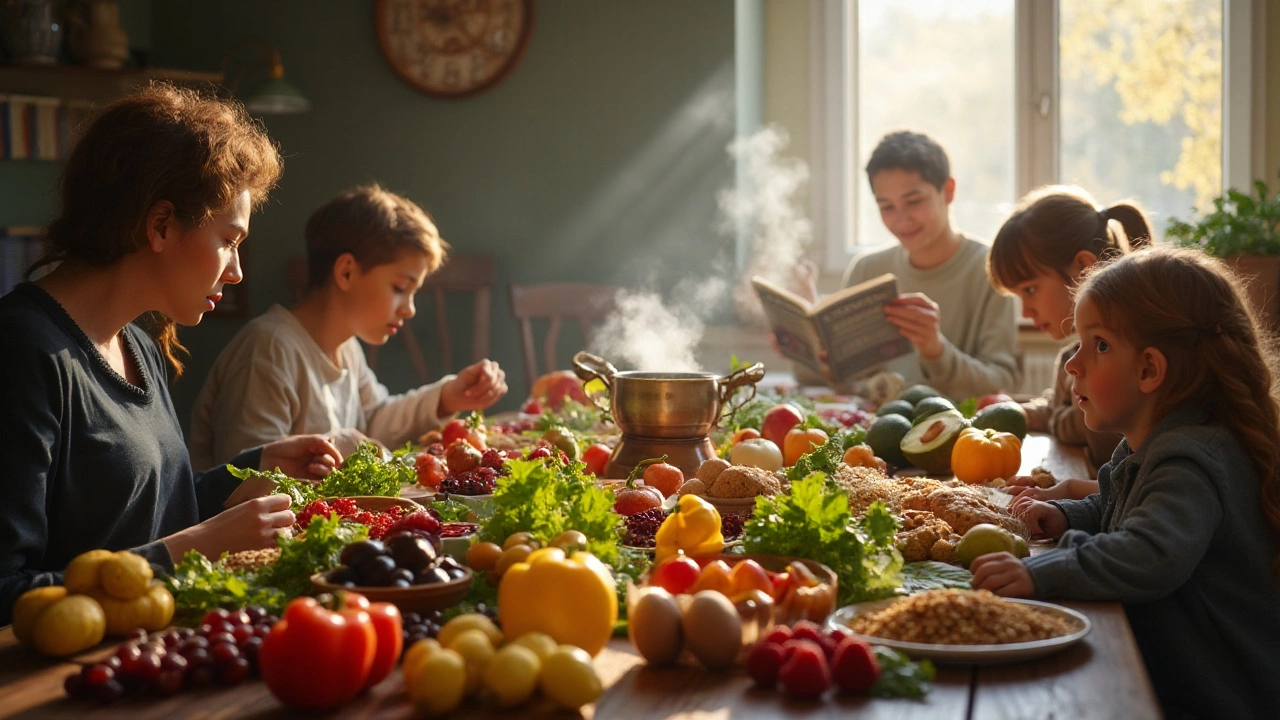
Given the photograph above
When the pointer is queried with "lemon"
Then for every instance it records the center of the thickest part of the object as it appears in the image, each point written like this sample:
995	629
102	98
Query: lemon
29	607
569	678
413	658
440	683
469	621
983	539
126	576
474	647
540	643
82	573
512	675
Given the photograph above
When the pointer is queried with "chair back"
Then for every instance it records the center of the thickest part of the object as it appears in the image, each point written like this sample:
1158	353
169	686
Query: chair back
584	303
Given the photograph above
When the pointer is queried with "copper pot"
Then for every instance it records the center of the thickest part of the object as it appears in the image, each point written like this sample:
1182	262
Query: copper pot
667	405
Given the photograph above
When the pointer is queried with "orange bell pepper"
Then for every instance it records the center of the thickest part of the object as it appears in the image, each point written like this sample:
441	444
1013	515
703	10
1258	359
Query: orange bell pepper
316	658
983	455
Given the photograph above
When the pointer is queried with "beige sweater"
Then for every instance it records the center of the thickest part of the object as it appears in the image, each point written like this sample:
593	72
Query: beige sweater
979	325
1056	413
272	380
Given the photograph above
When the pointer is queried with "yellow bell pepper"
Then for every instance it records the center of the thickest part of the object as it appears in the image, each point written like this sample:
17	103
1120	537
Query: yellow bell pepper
573	599
982	455
694	528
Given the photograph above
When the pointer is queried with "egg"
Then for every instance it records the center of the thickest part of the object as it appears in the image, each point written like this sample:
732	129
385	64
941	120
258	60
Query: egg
653	624
713	630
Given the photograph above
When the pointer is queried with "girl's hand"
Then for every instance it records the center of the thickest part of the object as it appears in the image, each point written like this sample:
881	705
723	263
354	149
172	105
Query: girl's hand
1042	519
475	388
251	525
1002	574
309	457
917	319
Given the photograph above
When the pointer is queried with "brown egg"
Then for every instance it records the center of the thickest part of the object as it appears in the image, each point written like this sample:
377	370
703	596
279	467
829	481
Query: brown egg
713	630
653	624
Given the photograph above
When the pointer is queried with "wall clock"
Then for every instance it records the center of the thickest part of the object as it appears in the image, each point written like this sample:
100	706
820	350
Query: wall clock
453	48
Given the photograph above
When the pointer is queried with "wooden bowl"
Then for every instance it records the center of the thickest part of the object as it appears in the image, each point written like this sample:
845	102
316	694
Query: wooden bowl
415	598
383	503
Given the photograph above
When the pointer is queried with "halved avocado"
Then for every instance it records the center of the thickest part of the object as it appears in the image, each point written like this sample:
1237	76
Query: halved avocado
895	407
930	406
928	445
916	393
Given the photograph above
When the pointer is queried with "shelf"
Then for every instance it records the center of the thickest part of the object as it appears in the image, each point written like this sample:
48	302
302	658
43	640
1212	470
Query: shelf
75	82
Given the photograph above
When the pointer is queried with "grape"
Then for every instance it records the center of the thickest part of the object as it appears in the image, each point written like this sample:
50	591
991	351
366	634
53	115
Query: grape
75	686
223	637
224	653
147	669
242	633
170	682
256	614
201	676
236	671
642	527
197	657
250	648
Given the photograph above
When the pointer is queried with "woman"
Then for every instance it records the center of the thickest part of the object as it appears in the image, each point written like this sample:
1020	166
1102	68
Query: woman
155	203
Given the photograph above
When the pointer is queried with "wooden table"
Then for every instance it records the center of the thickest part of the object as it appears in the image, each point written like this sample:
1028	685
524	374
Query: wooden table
1101	677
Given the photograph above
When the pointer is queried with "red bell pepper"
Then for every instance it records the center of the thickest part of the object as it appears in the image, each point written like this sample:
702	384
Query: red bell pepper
389	629
316	658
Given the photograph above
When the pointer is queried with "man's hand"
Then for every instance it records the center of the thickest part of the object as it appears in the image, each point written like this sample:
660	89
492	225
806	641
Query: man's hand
309	457
917	319
476	387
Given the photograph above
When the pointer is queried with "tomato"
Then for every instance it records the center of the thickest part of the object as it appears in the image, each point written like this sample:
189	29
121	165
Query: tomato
531	407
744	434
664	476
431	470
596	458
454	430
748	575
778	421
715	576
471	429
675	575
800	441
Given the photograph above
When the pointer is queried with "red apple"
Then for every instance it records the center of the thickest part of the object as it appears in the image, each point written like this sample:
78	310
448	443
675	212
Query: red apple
543	384
986	400
778	421
565	387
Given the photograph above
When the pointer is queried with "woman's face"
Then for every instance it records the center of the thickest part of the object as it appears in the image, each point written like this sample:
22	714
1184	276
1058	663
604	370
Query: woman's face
203	260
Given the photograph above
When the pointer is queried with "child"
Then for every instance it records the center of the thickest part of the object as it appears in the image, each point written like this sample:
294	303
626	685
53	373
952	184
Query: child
303	371
965	333
1184	528
155	202
1041	252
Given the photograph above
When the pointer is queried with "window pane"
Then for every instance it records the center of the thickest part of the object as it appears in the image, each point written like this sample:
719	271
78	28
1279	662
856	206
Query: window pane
944	68
1141	102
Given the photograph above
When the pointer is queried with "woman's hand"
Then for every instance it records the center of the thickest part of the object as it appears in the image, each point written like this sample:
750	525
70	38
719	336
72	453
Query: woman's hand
309	457
917	318
251	525
1042	519
1002	574
475	388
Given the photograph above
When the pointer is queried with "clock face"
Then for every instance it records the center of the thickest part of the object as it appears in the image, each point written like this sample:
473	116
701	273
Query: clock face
453	47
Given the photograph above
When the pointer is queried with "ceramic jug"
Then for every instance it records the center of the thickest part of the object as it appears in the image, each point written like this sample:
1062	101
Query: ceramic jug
32	31
96	38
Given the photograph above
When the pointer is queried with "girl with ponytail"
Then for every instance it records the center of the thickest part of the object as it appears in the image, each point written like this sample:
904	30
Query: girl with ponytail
1184	529
1039	255
155	204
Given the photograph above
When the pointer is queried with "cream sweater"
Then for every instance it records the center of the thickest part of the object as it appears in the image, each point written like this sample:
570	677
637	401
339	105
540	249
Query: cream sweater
272	380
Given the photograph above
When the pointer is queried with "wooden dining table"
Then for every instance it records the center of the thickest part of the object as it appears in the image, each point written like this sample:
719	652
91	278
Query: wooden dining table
1102	676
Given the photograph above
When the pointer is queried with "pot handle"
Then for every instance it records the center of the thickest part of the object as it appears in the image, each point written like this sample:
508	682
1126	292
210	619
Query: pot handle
747	376
590	367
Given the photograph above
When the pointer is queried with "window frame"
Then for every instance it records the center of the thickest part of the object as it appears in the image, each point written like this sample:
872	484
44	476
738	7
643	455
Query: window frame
834	109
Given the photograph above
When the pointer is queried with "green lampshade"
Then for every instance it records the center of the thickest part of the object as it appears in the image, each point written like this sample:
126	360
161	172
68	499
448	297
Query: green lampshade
277	97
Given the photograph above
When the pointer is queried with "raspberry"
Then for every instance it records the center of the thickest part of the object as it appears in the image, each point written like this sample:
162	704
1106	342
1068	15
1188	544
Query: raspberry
540	452
778	635
855	668
396	512
763	663
345	507
313	508
805	674
805	630
493	458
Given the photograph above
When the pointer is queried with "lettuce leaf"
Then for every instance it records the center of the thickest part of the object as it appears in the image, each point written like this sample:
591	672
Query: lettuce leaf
549	498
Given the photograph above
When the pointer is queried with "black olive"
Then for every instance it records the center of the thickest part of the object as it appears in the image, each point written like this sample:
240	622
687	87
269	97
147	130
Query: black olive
358	554
379	571
412	552
341	574
401	583
402	574
432	575
448	563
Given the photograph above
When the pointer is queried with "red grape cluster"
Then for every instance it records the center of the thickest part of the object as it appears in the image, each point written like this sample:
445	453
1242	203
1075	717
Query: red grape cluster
379	523
847	418
642	527
224	650
514	427
480	480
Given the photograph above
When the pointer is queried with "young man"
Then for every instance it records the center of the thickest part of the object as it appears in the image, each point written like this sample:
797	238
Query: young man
964	332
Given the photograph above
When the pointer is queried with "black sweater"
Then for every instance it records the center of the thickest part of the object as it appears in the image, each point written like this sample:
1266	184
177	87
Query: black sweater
90	460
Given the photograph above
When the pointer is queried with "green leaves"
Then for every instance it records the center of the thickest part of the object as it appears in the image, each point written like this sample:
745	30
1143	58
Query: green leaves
968	408
547	499
199	586
363	473
899	676
814	522
933	575
1240	224
824	459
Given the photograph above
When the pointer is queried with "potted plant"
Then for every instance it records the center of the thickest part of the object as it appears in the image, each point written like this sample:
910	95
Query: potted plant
1244	230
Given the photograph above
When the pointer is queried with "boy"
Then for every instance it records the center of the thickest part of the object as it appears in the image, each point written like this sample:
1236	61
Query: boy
303	371
964	332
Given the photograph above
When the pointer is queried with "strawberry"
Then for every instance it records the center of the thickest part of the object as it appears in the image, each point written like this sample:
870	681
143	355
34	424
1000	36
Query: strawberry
855	668
838	635
805	630
763	663
805	674
777	635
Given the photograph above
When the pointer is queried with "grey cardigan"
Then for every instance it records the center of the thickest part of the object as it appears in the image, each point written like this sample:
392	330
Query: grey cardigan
1177	534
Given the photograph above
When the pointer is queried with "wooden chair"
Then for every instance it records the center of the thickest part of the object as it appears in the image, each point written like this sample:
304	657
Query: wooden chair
474	274
584	302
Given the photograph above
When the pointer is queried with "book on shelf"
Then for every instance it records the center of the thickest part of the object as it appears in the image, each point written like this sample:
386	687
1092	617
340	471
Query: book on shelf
20	247
842	337
39	128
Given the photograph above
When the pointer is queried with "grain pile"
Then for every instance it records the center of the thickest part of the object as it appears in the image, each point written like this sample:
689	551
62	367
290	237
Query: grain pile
960	617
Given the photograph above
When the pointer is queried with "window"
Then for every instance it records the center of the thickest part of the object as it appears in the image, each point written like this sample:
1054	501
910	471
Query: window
1127	98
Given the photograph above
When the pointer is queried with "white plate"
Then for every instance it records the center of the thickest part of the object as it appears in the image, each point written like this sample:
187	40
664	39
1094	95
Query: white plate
967	654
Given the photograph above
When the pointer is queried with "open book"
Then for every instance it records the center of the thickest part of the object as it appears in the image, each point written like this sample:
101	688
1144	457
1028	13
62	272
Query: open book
843	336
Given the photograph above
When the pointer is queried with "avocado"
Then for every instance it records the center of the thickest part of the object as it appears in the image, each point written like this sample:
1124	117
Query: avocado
895	407
928	445
885	438
916	393
1002	417
930	406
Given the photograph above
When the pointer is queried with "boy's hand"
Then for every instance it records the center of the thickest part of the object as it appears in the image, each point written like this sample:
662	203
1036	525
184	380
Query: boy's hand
1042	519
309	457
1002	574
475	388
917	319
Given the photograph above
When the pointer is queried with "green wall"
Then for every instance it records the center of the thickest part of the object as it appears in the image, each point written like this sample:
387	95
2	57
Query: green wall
597	160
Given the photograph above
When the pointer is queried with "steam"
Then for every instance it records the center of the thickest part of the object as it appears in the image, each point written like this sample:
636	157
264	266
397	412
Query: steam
646	332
